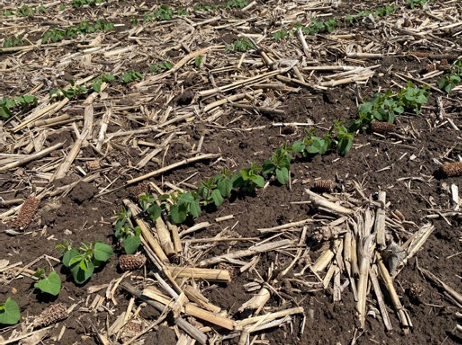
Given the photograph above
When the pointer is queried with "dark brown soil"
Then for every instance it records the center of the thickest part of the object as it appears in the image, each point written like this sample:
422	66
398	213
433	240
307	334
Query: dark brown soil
403	164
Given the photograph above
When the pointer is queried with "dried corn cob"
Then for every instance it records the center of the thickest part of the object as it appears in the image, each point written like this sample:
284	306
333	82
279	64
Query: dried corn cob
323	186
139	189
50	315
382	127
452	169
131	262
27	212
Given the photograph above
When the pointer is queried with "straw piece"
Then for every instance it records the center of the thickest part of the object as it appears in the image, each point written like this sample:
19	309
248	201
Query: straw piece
207	274
320	201
190	309
379	224
31	158
145	232
254	250
182	323
173	166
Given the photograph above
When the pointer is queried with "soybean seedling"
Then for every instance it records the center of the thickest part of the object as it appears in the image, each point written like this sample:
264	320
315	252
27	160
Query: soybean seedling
242	45
83	260
49	284
130	76
312	144
161	67
248	179
449	81
126	233
344	140
9	312
97	82
73	91
279	164
216	188
184	204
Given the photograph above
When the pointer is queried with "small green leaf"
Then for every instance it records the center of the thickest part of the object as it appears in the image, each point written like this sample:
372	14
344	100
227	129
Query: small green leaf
131	244
69	255
154	212
9	312
81	276
186	198
217	198
298	146
259	180
178	216
225	186
282	175
50	284
102	252
195	208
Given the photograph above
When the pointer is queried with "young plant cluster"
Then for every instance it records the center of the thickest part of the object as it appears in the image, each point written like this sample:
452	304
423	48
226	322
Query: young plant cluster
97	82
228	5
161	67
164	12
84	259
242	45
127	234
80	3
378	12
14	41
24	102
24	11
385	106
337	136
56	35
213	191
311	29
73	91
449	81
414	3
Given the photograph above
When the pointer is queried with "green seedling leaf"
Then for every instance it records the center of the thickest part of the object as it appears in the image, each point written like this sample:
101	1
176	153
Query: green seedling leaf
81	275
298	147
102	252
225	186
195	208
50	284
258	180
217	197
69	255
154	212
178	213
282	175
131	244
9	312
